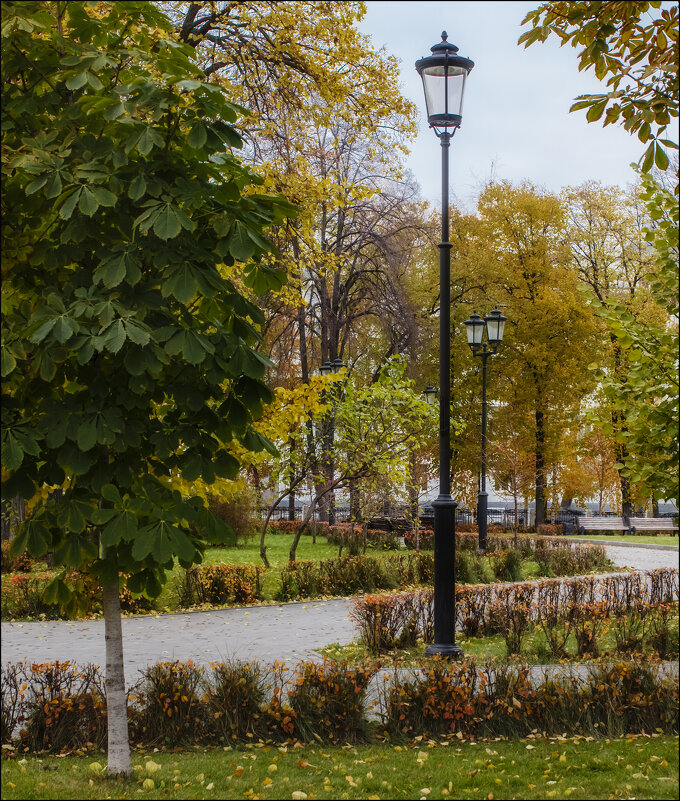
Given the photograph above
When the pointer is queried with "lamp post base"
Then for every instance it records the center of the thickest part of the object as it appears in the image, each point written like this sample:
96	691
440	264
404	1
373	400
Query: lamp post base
445	650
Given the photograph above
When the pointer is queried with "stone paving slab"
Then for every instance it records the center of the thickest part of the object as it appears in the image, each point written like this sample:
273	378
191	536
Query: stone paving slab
284	632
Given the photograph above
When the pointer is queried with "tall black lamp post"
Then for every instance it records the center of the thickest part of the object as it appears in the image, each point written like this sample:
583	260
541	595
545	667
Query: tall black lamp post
494	324
444	74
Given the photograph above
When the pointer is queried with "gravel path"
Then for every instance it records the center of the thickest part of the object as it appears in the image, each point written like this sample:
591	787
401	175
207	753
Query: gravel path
285	632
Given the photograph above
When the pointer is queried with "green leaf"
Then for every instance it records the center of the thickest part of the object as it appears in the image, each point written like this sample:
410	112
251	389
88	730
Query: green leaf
104	196
182	285
167	224
44	330
7	362
87	434
115	337
660	158
137	188
197	135
34	186
12	452
56	592
31	537
596	110
123	527
241	246
88	203
136	334
53	187
112	271
69	205
78	80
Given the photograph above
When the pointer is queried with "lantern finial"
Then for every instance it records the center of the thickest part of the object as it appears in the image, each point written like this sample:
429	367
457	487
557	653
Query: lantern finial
445	36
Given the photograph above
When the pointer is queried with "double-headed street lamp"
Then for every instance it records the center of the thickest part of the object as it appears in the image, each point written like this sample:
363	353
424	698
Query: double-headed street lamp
444	74
494	324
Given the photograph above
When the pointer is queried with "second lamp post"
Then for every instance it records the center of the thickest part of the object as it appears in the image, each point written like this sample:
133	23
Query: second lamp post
494	324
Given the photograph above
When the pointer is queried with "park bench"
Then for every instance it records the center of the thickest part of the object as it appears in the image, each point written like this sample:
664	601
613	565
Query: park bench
601	524
638	524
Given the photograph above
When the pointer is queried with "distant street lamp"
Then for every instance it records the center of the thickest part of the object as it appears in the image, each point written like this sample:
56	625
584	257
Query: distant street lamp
430	395
444	74
494	324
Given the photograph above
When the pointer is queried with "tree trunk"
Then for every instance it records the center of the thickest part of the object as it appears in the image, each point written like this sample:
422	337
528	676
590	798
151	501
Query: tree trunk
540	469
354	505
116	697
291	505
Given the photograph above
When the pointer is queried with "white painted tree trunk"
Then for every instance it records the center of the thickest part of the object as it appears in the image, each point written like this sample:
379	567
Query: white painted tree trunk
116	697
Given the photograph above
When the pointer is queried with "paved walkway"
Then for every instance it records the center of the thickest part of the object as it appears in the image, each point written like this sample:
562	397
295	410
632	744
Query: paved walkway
286	632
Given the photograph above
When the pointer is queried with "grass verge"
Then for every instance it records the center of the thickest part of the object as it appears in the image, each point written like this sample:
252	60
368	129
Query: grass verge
577	768
661	539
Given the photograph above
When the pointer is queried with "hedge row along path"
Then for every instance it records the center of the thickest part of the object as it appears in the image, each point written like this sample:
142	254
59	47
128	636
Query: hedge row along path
285	632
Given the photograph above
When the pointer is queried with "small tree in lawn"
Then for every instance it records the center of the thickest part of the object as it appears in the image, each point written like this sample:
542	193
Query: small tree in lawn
128	356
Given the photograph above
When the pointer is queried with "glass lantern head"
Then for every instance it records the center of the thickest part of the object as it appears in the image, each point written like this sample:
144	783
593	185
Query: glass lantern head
475	330
430	395
444	74
337	365
495	323
326	368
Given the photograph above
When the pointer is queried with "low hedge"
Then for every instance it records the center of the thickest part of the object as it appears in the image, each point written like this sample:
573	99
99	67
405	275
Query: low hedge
391	620
60	708
219	584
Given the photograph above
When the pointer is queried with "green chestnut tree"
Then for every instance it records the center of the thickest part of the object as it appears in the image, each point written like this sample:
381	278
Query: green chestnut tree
129	355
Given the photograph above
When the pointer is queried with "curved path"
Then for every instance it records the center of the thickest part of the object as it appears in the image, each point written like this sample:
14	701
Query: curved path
284	632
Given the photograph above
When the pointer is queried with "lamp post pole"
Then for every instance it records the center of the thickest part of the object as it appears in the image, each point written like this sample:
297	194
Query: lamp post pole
483	496
444	73
444	506
494	324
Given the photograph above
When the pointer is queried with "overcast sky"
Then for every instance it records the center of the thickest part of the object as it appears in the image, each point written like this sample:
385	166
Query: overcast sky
516	118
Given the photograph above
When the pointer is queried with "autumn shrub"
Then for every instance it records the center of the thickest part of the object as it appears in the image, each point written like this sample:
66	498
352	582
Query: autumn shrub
22	596
663	585
328	700
386	621
283	526
347	575
510	614
23	563
167	704
629	697
587	622
219	584
661	637
549	529
550	616
63	707
234	695
239	512
507	565
473	569
385	540
12	691
425	539
498	699
471	606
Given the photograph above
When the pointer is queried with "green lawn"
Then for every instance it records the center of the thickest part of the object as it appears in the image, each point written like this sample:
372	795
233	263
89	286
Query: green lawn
635	767
661	539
